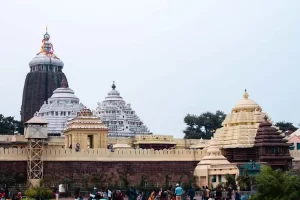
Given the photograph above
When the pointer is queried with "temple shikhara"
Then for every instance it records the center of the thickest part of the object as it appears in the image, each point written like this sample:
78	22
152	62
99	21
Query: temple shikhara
121	119
62	106
44	77
236	137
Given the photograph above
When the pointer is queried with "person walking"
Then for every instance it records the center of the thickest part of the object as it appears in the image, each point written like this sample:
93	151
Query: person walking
178	192
191	193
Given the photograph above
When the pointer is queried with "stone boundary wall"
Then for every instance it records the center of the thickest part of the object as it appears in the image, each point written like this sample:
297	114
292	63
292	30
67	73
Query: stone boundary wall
16	154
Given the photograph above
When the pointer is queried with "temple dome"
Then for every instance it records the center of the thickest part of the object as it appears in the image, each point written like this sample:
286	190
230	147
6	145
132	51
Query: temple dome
43	59
62	106
245	104
240	126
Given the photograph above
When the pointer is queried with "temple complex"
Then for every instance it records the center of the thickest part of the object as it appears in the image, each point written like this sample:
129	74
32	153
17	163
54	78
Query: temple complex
86	130
119	116
62	106
44	77
271	147
236	137
213	167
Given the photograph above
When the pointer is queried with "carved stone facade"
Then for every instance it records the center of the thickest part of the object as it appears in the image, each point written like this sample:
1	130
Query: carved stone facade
44	77
86	130
119	116
271	147
62	106
236	137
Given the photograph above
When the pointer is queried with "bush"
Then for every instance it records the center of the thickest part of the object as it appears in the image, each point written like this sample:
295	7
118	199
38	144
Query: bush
40	193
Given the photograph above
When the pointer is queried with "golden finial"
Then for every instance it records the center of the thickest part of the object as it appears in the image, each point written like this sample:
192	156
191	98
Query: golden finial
246	95
46	28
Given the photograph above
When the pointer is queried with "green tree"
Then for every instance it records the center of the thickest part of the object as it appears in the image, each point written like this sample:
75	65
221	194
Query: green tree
204	125
286	126
245	182
230	182
8	125
276	185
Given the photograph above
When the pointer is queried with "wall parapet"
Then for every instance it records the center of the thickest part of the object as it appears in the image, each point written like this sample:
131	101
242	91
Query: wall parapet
21	154
15	154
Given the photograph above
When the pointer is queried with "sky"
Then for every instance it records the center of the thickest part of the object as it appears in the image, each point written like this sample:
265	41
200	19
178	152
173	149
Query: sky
168	58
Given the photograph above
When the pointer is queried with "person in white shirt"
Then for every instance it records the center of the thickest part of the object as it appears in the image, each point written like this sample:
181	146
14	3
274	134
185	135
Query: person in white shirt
109	194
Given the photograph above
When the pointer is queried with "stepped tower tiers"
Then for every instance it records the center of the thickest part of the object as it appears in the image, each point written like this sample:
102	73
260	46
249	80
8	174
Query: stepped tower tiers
236	137
119	116
271	147
86	131
44	77
62	106
213	167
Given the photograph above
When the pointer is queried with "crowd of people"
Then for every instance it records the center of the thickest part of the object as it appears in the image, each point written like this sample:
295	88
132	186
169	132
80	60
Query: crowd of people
135	194
6	194
170	193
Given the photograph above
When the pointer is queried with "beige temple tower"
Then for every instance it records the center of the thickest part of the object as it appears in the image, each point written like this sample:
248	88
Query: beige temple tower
236	137
87	130
213	167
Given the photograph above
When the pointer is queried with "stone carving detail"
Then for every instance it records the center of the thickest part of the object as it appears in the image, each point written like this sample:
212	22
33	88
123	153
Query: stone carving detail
119	116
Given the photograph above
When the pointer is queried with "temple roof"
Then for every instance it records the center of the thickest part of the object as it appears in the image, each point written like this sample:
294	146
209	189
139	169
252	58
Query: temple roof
46	54
297	133
85	120
119	116
245	103
240	126
213	155
36	120
269	136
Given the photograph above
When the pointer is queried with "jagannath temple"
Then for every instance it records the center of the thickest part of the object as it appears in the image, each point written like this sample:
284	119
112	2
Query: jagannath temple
44	77
118	115
62	106
246	140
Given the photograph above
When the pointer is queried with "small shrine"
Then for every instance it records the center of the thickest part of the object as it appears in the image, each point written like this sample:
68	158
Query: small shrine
213	167
271	147
85	131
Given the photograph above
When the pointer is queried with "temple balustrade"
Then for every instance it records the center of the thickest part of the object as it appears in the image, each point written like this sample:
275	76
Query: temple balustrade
55	154
18	154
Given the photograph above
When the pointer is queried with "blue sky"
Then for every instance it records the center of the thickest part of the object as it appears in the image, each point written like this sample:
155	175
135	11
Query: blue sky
168	58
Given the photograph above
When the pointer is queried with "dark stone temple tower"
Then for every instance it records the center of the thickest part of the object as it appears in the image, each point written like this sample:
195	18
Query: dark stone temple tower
44	77
271	147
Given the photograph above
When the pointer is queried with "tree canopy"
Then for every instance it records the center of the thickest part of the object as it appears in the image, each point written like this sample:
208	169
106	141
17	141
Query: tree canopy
8	125
276	185
204	125
286	126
